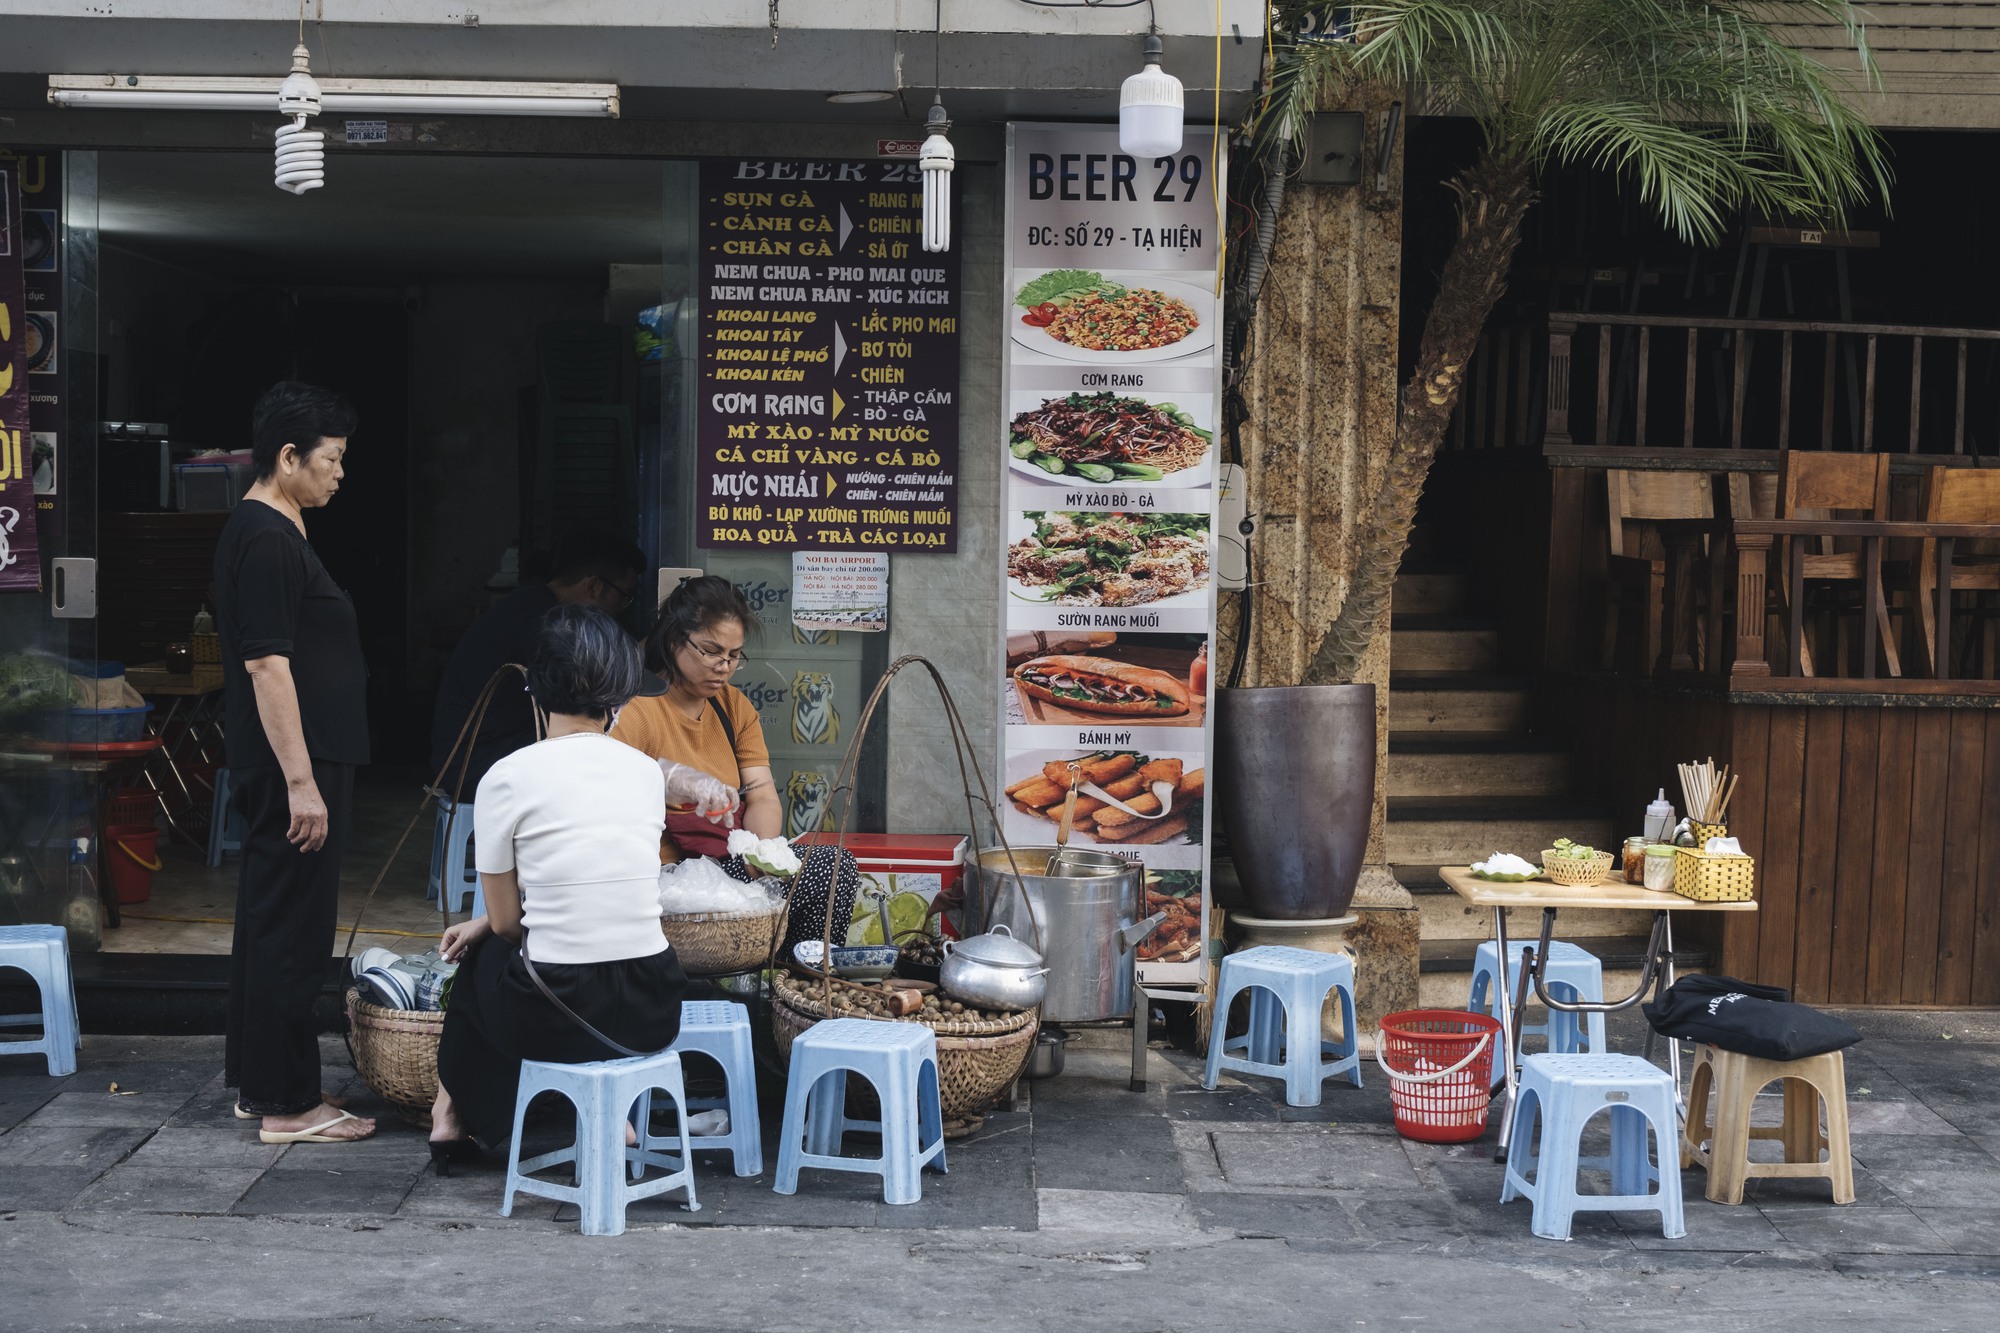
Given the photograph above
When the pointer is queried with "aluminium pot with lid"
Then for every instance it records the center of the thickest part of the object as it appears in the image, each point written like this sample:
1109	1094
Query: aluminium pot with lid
993	970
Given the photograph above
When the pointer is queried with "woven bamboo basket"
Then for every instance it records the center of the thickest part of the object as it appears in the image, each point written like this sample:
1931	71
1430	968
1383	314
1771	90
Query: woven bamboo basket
396	1054
713	944
1575	873
976	1060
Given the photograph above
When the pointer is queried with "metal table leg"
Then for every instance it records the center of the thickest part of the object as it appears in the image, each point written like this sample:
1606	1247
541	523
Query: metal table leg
1509	1037
1142	1012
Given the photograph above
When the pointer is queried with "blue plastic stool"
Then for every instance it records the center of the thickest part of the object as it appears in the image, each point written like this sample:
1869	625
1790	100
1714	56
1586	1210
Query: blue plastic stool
43	953
900	1059
1290	985
604	1094
1571	974
720	1030
1563	1092
452	870
225	826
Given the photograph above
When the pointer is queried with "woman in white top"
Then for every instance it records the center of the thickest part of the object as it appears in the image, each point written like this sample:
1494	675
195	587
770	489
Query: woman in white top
568	837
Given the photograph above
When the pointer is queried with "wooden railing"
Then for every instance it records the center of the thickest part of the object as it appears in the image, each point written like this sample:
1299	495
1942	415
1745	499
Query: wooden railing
1722	628
1663	383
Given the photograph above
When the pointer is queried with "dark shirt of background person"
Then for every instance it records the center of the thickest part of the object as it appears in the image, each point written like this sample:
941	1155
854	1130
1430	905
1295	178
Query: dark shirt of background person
600	571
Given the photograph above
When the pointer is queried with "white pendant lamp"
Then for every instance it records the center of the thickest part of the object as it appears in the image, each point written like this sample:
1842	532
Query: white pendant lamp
301	153
1150	109
936	160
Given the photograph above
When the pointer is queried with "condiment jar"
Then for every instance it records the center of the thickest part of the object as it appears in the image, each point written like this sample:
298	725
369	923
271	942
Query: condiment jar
1635	860
1659	871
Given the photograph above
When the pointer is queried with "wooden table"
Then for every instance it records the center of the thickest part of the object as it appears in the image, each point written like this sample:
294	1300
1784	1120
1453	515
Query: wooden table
1656	975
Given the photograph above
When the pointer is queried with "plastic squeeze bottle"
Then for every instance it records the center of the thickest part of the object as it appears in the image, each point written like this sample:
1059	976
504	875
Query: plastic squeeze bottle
1659	818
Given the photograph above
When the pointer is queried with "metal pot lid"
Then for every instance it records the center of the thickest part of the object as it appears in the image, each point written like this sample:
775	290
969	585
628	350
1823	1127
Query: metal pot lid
997	947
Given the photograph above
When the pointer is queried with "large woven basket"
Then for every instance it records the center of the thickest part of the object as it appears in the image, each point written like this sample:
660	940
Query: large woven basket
713	944
396	1054
976	1060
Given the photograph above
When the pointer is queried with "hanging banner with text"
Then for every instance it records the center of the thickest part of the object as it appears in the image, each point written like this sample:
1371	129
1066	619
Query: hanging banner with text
1110	409
27	343
828	361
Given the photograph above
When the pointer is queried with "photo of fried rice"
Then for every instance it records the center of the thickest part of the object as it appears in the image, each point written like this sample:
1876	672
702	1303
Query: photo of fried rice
1110	558
1103	437
1136	319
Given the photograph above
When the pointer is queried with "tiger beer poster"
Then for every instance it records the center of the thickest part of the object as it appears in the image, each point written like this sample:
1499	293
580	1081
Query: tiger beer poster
23	342
1112	384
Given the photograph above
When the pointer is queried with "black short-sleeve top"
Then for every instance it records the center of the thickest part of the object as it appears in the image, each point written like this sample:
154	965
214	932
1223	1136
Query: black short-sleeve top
273	598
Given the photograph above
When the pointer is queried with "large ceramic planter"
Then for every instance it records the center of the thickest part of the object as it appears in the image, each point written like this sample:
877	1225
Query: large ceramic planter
1295	775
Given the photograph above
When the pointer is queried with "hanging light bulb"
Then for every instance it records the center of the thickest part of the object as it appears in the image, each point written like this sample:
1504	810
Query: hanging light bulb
936	159
301	153
1150	109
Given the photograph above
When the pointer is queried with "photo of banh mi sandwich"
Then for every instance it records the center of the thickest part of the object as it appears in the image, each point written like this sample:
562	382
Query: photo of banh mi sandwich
1100	685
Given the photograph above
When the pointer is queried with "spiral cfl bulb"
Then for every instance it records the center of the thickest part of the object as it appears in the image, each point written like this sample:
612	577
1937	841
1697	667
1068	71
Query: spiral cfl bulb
936	159
301	152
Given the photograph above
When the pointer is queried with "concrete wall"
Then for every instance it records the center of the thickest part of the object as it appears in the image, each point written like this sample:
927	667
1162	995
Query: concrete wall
947	607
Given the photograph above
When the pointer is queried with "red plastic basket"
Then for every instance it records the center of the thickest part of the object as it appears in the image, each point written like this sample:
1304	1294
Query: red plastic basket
131	805
1439	1063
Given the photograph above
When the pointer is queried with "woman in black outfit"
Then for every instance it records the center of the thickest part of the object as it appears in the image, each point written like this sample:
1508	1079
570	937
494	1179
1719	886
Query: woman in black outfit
567	832
295	693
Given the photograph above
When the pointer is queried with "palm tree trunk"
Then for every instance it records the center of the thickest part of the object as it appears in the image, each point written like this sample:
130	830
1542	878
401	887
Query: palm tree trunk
1494	195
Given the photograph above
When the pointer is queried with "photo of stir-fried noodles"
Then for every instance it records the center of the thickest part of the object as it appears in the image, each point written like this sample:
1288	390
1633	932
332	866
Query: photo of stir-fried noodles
1111	559
1102	437
1130	320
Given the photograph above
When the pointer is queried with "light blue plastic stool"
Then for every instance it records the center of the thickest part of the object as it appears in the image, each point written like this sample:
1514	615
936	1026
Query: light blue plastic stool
604	1094
900	1059
1290	985
1563	1092
225	826
452	870
43	953
1571	974
720	1030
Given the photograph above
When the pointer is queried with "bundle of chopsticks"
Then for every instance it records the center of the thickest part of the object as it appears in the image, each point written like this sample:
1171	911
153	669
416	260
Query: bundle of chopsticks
1706	792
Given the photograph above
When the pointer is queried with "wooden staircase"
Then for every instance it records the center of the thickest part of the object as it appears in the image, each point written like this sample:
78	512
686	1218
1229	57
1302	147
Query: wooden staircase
1466	778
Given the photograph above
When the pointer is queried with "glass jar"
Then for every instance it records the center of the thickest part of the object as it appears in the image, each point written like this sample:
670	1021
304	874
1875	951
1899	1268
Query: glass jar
1659	873
1635	860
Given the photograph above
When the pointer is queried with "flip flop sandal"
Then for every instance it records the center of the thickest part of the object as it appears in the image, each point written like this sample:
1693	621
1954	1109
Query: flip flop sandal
316	1134
326	1097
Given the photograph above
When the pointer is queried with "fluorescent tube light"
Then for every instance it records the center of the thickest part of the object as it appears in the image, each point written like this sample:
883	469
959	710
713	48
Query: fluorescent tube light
437	97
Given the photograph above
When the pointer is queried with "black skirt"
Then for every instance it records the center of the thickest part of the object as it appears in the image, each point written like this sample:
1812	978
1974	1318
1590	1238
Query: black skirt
497	1019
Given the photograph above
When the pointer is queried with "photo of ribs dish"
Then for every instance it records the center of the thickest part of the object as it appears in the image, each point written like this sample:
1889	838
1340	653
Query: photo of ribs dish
1110	558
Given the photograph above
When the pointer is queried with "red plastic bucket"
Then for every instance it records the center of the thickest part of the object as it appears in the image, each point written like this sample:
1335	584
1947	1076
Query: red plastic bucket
131	805
1439	1063
131	855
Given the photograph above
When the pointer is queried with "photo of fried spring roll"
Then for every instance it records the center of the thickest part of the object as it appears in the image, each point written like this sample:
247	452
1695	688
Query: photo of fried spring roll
1145	831
1099	769
1038	791
1145	804
1193	785
1161	770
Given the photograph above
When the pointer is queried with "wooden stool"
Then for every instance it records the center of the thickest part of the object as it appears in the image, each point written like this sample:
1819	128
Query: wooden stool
1737	1079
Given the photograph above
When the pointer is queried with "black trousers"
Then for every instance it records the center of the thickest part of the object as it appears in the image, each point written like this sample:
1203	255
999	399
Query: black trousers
497	1018
287	902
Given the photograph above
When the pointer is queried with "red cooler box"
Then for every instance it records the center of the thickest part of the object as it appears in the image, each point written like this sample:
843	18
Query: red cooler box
905	869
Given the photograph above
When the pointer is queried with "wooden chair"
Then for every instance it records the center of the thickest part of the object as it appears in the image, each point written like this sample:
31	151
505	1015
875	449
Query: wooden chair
1638	560
1817	484
1957	495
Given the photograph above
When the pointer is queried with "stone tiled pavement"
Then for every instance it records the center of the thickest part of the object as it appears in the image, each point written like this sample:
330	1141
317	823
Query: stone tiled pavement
1173	1161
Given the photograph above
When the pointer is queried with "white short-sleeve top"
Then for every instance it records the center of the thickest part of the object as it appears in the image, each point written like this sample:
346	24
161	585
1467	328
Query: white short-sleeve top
579	819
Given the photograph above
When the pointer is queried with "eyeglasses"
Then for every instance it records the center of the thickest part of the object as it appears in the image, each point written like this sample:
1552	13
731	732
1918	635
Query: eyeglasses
715	656
625	595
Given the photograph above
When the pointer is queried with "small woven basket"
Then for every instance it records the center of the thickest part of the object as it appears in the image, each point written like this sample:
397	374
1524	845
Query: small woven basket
396	1054
1714	879
1578	874
976	1060
713	944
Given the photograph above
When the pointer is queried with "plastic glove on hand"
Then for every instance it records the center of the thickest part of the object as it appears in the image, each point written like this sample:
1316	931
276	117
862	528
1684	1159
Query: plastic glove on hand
715	799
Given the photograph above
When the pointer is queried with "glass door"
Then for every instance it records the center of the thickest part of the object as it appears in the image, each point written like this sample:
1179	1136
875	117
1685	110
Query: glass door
49	789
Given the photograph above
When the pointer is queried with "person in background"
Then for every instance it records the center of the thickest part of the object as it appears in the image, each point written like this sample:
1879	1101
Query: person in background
568	831
295	694
589	571
709	742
